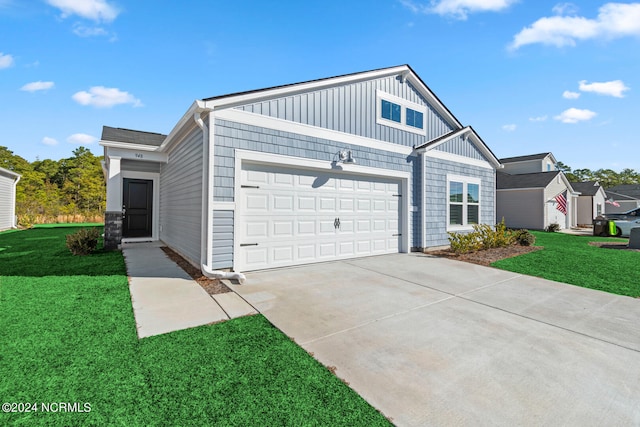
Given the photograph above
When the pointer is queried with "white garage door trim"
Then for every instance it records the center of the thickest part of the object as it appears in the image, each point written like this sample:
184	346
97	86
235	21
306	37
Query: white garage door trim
317	165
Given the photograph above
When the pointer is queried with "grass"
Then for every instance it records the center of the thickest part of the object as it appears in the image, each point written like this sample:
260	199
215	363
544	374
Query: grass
67	334
570	259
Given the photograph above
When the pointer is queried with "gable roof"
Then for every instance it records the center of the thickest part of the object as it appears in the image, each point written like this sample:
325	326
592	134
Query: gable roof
467	131
129	136
506	181
9	173
629	190
402	71
587	188
528	157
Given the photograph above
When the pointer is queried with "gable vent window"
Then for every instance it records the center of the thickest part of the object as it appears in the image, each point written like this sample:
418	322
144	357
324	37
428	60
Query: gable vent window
399	113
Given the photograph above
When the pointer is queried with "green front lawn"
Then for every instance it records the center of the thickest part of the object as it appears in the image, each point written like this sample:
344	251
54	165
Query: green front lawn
570	259
67	335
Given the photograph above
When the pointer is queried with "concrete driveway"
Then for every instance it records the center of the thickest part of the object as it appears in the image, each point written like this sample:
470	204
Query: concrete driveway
431	341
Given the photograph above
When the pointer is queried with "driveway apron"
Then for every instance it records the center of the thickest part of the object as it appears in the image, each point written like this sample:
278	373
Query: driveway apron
431	341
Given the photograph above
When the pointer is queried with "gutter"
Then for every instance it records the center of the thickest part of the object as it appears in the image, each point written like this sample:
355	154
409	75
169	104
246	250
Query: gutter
206	237
13	205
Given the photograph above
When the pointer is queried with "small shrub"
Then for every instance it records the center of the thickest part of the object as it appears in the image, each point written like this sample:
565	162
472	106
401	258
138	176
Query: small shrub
553	227
84	241
524	237
462	243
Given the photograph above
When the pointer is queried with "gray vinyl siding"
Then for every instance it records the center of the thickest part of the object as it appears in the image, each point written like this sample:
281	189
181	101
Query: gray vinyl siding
461	147
351	108
181	197
436	196
6	202
138	166
231	135
521	208
222	239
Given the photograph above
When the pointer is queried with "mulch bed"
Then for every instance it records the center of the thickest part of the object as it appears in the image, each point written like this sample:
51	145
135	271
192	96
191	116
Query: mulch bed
212	286
487	256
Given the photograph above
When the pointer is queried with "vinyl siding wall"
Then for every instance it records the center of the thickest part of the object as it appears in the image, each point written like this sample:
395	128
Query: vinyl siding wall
529	166
521	208
7	201
181	196
437	198
230	135
351	108
139	166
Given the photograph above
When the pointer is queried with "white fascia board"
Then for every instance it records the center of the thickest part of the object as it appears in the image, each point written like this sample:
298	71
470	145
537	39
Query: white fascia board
288	90
128	146
11	174
260	120
433	100
494	162
303	163
130	154
456	134
196	107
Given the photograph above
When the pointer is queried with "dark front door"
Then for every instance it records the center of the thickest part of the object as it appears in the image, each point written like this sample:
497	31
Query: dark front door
137	207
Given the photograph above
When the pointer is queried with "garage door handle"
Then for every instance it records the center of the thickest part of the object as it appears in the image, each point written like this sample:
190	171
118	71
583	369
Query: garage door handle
249	186
248	244
395	235
336	223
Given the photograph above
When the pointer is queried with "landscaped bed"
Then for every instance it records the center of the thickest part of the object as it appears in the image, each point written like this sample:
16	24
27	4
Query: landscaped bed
68	347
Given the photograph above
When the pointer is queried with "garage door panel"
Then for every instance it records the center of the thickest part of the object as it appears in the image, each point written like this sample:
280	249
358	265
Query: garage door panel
291	217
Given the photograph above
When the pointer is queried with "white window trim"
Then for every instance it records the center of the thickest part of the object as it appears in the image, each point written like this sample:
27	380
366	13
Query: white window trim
465	181
404	104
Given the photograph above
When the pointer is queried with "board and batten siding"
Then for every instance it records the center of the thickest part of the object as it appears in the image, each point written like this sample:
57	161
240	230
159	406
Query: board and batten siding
461	147
351	108
437	197
181	197
7	202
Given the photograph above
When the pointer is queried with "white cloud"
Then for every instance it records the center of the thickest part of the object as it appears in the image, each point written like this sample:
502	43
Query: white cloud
49	141
458	9
82	31
614	20
575	115
538	119
81	139
509	128
615	88
565	9
105	97
95	10
6	61
567	94
36	86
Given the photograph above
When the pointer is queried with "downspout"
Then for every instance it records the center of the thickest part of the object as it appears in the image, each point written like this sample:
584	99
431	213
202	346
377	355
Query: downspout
13	205
423	187
206	237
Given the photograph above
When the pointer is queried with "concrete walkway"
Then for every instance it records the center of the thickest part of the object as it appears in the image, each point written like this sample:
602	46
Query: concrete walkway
166	299
432	341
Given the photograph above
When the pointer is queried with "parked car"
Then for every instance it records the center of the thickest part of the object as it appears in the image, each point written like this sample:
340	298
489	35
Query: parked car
624	226
633	213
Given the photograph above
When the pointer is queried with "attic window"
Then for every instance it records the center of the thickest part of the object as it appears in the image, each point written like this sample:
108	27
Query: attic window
399	113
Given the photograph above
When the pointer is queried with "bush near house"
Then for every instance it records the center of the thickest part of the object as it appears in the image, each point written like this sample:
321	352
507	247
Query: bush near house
84	241
485	236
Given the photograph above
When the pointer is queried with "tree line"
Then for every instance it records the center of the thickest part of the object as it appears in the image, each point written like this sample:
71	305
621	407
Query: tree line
73	189
606	177
57	191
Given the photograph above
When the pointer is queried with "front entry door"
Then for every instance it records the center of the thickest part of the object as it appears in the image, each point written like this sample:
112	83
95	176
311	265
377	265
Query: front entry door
137	206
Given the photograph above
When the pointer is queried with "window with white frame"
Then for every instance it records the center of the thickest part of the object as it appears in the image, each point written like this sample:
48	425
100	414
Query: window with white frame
463	201
400	113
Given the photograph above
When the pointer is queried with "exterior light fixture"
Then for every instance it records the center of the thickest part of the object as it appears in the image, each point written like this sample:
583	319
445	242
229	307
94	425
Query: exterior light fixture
346	156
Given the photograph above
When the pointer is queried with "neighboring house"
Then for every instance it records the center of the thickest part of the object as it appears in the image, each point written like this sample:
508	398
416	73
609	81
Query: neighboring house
626	196
8	182
531	193
591	201
349	166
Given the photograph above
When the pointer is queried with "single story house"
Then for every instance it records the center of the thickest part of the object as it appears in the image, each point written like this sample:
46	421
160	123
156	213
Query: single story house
625	196
341	167
531	193
590	202
8	182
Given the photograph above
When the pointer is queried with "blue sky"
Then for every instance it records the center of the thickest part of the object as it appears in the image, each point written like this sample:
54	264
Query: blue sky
529	75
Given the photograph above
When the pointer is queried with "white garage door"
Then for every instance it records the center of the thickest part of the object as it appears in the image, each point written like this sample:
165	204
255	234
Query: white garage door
296	216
